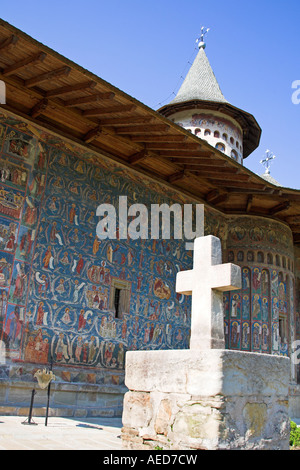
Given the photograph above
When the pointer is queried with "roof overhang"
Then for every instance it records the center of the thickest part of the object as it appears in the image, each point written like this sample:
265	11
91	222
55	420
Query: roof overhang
250	127
57	95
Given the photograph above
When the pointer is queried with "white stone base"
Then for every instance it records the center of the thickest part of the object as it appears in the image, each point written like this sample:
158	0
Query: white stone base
211	399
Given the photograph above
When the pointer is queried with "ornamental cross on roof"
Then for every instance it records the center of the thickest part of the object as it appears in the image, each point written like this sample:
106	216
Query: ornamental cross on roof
267	161
200	83
200	41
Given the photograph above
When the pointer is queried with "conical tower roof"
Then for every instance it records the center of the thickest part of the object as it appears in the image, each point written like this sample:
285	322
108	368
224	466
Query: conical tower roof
200	90
200	82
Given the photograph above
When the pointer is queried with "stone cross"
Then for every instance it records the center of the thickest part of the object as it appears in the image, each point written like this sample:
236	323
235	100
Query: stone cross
206	282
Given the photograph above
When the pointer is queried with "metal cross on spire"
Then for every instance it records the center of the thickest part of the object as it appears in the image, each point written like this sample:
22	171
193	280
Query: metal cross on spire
200	41
266	162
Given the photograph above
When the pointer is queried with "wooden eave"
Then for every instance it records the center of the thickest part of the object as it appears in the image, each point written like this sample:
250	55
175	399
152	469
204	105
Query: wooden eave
58	95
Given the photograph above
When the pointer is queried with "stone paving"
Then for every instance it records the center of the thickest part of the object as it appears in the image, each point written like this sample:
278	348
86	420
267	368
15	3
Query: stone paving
60	433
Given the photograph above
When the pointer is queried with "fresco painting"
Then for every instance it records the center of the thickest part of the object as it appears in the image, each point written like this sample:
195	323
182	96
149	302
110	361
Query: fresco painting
58	280
260	312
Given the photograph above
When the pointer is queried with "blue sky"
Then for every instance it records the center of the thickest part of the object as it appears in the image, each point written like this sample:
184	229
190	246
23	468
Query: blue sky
145	48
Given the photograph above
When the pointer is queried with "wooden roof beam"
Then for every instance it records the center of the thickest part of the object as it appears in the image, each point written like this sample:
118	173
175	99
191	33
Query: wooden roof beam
227	175
111	110
109	131
235	184
295	228
293	219
171	145
296	238
220	167
70	89
261	191
111	122
138	157
11	41
32	60
187	154
280	207
38	108
204	163
212	195
92	135
176	177
221	174
220	199
249	203
215	197
89	99
69	112
142	129
208	168
53	74
159	138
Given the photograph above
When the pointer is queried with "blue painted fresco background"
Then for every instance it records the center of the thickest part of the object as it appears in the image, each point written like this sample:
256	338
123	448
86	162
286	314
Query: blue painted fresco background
56	274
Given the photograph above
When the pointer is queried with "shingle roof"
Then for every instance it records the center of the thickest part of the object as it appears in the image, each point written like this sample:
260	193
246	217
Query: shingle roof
200	82
200	90
270	179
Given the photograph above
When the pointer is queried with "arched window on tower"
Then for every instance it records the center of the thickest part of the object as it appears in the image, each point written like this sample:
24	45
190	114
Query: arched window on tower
225	137
220	147
197	131
207	132
217	134
234	155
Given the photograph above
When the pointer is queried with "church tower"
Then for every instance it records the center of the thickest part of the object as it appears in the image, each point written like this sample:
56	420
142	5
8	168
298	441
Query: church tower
201	108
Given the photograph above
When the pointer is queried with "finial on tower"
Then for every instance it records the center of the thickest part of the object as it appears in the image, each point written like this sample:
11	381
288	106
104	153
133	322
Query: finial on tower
200	41
266	162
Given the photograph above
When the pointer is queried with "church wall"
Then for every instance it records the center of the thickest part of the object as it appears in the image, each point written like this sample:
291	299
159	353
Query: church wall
260	317
58	281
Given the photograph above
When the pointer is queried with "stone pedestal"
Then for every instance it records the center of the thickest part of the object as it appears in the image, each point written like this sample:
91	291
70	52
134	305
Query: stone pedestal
206	399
